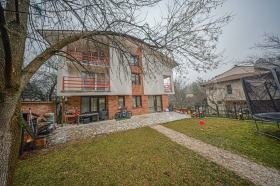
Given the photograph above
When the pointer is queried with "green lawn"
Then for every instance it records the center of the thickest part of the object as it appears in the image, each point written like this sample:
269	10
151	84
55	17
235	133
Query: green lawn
236	136
136	157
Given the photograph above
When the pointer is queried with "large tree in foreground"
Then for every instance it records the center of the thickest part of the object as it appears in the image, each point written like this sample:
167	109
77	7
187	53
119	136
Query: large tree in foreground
187	33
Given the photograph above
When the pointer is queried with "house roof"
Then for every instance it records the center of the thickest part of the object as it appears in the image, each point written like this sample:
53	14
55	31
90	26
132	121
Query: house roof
247	71
131	42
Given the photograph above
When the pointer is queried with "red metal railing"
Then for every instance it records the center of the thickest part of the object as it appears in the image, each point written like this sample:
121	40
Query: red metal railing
167	87
80	83
93	58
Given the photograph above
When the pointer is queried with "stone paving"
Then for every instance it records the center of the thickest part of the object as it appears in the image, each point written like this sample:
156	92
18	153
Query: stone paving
76	132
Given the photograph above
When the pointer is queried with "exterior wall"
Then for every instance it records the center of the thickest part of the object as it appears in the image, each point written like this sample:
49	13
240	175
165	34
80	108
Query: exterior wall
153	77
39	107
220	94
72	103
120	75
165	102
112	105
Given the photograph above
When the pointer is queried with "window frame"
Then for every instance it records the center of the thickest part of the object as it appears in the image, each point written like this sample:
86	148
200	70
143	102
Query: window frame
123	99
229	89
134	60
134	78
138	103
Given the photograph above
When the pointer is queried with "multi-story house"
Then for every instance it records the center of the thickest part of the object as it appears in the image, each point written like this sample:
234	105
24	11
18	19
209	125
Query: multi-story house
94	76
225	92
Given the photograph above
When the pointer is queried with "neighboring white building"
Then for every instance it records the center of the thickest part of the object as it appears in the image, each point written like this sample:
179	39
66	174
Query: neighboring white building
225	92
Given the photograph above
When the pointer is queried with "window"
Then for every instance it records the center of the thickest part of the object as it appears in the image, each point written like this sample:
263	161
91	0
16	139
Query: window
136	101
94	81
121	101
135	78
154	103
134	60
167	84
229	89
93	104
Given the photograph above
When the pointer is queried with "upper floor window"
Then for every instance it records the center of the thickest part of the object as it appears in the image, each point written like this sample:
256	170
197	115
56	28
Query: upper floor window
229	89
135	78
134	60
167	84
136	101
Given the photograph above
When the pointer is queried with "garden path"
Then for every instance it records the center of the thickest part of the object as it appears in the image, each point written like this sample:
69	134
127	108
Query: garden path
258	174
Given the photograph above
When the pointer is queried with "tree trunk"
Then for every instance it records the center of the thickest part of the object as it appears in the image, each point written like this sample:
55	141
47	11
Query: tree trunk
10	130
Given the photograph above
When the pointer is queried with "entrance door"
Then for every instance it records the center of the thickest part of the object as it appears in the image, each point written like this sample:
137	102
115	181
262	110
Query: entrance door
151	104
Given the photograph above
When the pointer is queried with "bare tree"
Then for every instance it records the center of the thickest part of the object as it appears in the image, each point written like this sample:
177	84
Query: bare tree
188	33
179	99
271	48
42	86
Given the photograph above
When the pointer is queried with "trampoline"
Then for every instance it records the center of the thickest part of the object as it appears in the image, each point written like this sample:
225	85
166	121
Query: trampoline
263	98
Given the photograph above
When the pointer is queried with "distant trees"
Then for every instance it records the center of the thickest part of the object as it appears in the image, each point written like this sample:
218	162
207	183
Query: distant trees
178	100
42	86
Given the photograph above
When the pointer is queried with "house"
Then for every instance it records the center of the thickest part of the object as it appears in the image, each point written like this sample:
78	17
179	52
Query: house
225	93
95	76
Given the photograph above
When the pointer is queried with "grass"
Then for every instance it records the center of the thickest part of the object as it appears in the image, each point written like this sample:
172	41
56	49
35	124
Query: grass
136	157
236	136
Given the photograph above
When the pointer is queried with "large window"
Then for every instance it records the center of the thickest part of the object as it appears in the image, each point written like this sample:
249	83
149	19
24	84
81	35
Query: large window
136	101
134	60
135	78
94	81
121	102
93	104
229	89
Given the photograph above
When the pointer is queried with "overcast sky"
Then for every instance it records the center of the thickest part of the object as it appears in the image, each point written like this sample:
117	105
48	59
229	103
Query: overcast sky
252	18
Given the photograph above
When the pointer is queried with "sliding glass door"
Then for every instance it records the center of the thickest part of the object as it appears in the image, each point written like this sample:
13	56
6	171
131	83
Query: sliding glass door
154	103
93	104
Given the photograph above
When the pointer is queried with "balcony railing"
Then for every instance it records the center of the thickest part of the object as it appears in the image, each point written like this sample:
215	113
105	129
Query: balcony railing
93	58
85	84
167	87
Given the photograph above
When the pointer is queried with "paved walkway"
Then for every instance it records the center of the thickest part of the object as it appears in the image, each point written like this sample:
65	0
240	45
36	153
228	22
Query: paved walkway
83	131
258	174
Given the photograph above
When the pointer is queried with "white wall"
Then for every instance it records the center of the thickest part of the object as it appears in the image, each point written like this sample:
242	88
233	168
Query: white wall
120	75
153	75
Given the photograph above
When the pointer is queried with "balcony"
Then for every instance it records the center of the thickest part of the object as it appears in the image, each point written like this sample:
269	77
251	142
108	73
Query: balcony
167	87
91	58
70	83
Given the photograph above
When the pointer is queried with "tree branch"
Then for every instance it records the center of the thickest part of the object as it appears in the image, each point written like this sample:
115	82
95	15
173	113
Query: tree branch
36	63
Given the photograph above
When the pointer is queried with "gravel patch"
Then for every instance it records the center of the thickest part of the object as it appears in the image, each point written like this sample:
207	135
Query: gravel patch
258	174
76	132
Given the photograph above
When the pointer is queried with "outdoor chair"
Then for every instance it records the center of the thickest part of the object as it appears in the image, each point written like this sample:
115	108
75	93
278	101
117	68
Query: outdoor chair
103	115
263	98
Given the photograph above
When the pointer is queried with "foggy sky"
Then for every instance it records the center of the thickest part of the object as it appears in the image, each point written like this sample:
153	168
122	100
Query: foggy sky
252	18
